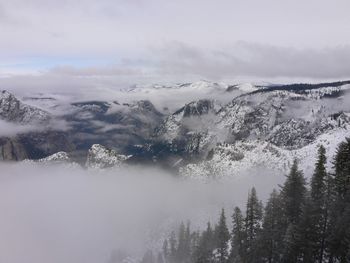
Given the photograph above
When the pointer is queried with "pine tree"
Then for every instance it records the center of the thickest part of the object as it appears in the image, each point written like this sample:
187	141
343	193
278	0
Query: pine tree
238	237
173	252
166	252
194	245
316	212
293	199
271	238
342	168
223	236
187	246
148	257
253	223
318	180
339	234
306	235
181	248
293	194
290	253
204	252
160	258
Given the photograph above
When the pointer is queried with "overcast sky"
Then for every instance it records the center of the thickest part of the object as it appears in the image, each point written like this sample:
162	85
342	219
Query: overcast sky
129	41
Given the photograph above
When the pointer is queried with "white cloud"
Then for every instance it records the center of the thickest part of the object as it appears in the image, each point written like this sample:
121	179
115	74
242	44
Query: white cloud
56	214
11	129
86	43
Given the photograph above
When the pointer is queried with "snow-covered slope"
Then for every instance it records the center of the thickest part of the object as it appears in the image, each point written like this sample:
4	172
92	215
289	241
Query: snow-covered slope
260	128
56	157
237	158
198	126
102	157
13	110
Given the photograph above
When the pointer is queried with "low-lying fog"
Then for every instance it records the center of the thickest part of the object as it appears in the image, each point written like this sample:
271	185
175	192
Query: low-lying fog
55	214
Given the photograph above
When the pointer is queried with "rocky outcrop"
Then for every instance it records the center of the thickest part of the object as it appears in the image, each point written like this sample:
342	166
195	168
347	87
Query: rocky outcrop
12	150
13	110
32	145
101	157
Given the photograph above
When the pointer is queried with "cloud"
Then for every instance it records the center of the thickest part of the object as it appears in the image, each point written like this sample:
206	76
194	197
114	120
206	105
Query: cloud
96	71
180	62
79	44
123	28
254	60
11	129
56	214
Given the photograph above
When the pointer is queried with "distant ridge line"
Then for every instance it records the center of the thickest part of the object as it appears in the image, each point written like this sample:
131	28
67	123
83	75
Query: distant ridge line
301	86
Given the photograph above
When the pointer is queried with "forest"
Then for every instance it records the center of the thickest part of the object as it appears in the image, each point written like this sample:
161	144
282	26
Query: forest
300	222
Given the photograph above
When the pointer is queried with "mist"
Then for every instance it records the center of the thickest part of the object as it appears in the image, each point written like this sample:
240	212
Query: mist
10	129
56	213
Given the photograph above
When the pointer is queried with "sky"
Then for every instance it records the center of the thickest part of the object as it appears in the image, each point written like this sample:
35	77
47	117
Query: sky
121	42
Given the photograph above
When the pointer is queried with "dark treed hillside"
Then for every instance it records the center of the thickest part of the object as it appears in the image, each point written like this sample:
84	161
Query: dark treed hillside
300	87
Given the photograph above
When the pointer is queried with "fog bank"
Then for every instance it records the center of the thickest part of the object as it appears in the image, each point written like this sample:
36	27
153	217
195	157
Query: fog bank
55	214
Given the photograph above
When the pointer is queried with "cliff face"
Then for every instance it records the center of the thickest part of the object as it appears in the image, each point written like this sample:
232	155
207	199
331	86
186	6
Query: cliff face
34	145
259	125
12	150
13	110
24	144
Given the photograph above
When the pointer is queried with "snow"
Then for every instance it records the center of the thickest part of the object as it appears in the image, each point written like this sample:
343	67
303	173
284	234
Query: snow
235	159
247	87
101	157
11	109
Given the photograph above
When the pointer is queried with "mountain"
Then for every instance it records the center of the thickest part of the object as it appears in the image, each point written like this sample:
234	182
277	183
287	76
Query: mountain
32	135
270	121
219	129
13	110
98	157
112	123
102	157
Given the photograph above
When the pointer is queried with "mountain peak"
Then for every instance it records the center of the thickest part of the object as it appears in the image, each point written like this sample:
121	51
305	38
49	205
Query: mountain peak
13	110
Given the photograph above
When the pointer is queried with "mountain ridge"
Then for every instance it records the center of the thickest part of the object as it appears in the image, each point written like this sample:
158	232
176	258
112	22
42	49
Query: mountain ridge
289	117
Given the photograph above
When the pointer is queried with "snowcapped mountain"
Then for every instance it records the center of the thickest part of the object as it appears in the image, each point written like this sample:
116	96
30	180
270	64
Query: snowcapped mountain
269	122
102	157
236	158
27	131
112	123
218	129
98	157
13	110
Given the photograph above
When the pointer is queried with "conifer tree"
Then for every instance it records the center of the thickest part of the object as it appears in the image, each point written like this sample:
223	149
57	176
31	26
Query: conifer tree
204	252
316	211
342	168
166	252
148	257
238	237
253	223
173	251
290	253
305	236
194	245
160	258
223	236
272	234
181	248
339	234
293	199
187	246
318	180
293	194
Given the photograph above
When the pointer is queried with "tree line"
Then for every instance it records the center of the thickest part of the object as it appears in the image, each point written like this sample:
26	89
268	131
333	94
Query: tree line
300	222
